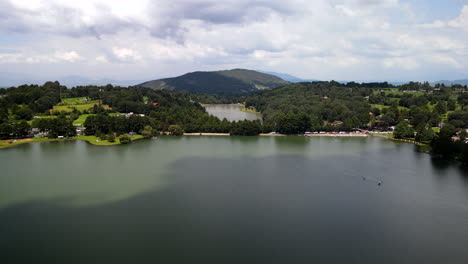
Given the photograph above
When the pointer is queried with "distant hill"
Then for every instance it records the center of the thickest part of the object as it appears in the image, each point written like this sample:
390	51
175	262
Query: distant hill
450	83
236	81
289	77
8	79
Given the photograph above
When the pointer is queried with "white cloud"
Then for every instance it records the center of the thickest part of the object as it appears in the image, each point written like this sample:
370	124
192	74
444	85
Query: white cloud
337	39
102	59
126	54
461	21
404	63
70	56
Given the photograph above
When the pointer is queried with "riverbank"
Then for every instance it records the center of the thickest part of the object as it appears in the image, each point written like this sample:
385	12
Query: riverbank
390	137
337	135
90	139
207	134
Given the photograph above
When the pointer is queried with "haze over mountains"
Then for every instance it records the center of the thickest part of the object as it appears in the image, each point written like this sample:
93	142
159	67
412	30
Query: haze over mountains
226	81
289	77
236	81
450	83
8	79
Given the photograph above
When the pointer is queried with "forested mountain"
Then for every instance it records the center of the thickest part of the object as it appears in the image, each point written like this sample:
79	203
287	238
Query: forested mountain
289	77
450	83
228	82
303	107
417	111
300	107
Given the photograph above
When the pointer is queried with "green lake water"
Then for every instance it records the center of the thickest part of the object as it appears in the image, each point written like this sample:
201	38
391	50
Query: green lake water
231	200
231	112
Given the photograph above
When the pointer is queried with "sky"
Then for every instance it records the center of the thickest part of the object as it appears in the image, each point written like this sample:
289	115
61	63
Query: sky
362	40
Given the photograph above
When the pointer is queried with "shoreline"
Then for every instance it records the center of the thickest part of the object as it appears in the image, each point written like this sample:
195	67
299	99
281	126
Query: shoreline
207	134
241	106
402	140
9	143
337	135
92	139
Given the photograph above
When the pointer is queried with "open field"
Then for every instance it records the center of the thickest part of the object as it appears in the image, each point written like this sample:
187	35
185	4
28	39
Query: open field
14	142
381	107
80	103
90	139
81	119
397	92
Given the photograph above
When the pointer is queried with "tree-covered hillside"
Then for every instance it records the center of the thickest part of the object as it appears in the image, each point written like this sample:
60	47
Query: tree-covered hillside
301	107
229	82
315	106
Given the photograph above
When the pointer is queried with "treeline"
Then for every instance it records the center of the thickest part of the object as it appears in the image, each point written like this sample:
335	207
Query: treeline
444	146
104	124
20	103
316	106
301	107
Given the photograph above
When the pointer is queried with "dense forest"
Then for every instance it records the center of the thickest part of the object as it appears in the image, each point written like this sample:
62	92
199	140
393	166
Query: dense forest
21	106
414	111
437	116
228	82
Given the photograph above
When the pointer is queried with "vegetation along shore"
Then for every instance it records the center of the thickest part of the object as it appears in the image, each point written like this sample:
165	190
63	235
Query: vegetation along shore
108	115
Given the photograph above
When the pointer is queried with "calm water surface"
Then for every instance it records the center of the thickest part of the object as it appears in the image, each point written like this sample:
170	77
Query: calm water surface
231	112
231	200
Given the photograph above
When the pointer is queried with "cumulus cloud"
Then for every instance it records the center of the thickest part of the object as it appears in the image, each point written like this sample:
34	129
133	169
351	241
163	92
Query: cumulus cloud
335	39
126	54
461	21
53	17
70	56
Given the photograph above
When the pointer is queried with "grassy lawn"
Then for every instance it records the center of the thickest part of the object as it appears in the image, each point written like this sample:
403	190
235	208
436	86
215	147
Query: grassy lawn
91	139
381	107
396	92
80	103
97	141
389	135
41	116
81	119
11	142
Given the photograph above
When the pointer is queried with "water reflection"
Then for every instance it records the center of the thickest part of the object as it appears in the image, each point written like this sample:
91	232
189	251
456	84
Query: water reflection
275	209
231	112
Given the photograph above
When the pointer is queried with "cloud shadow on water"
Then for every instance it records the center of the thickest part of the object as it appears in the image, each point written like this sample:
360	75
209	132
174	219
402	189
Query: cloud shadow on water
276	209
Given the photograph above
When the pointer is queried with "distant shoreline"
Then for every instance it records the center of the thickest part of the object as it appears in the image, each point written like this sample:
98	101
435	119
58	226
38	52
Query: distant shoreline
12	142
9	143
337	135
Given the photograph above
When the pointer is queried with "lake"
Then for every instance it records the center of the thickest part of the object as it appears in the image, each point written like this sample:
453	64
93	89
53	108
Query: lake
231	200
231	112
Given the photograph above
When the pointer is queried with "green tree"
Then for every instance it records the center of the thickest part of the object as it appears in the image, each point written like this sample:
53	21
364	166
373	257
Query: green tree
125	139
148	132
24	113
441	107
176	130
448	131
403	130
5	131
425	134
451	105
